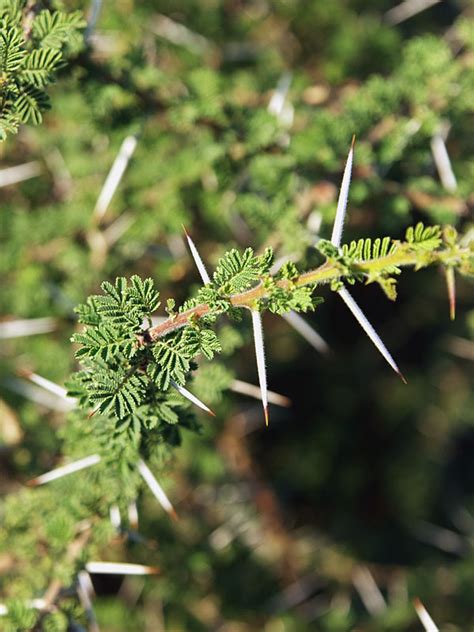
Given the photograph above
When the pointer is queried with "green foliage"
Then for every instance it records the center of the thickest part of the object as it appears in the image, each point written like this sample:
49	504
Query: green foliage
359	461
32	49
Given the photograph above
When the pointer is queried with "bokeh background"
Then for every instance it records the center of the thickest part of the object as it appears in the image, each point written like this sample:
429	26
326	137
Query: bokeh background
359	497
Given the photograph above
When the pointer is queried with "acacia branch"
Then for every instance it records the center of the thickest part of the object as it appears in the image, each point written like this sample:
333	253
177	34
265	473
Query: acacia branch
331	270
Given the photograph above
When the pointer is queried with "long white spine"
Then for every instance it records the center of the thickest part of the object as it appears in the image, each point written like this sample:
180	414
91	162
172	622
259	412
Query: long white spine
260	355
425	618
114	176
156	488
27	327
120	568
197	260
342	200
70	468
192	398
304	329
369	330
51	387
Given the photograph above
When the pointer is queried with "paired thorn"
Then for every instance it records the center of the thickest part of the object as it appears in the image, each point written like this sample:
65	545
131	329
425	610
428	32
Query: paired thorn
260	356
93	459
343	293
192	398
156	489
197	259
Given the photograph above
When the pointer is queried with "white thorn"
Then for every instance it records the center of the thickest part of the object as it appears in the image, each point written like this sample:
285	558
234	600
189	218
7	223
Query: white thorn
342	200
443	163
244	388
440	537
305	330
64	470
84	593
192	398
155	320
36	394
114	177
26	327
260	355
49	386
181	35
92	18
120	568
369	330
115	519
424	617
156	488
197	260
113	232
407	9
368	590
86	583
277	102
12	175
133	514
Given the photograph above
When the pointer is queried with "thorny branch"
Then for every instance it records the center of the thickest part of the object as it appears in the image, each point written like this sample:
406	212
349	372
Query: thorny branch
327	272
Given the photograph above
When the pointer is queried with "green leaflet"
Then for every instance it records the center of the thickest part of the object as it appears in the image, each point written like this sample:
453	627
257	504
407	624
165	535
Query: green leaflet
174	354
118	393
127	305
105	341
366	249
39	66
424	237
29	60
52	29
237	271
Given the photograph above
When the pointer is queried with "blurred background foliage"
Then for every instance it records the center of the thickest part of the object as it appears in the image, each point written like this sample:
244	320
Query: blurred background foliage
360	496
